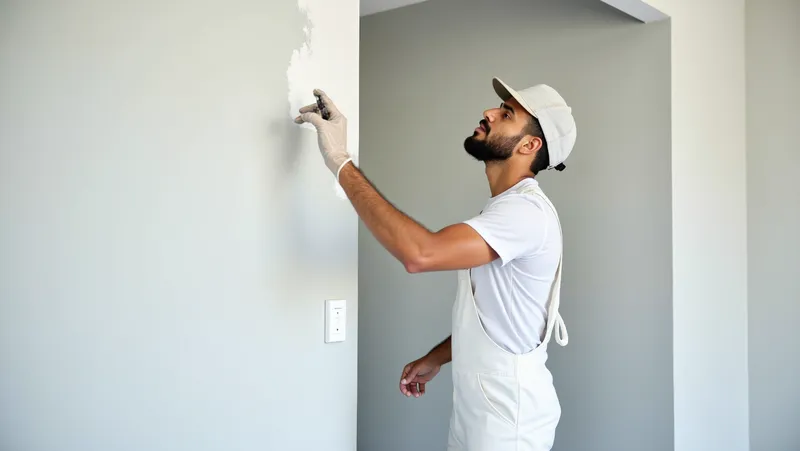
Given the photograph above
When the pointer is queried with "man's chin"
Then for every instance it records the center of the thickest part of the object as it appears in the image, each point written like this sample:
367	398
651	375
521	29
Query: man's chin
474	149
475	138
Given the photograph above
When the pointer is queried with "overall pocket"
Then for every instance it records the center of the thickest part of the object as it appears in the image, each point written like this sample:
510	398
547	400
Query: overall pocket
501	394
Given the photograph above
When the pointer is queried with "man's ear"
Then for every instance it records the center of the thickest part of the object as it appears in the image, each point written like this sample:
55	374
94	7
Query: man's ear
530	144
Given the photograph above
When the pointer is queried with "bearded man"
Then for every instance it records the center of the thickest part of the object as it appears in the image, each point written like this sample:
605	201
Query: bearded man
508	260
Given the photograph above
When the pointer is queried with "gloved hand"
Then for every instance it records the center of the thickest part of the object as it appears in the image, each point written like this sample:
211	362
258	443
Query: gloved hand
331	133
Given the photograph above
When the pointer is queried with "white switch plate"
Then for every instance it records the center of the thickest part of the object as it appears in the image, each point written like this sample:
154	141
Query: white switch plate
335	320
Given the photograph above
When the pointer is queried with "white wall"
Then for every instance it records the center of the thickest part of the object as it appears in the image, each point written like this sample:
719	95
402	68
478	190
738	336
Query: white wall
162	265
773	162
709	224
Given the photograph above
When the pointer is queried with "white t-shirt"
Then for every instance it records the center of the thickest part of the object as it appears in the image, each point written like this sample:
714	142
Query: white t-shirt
511	293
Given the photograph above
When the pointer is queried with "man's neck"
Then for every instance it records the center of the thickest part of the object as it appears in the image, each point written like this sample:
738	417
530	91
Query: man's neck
502	177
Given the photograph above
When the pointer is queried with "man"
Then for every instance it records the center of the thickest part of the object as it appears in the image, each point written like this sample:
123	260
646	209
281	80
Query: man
509	269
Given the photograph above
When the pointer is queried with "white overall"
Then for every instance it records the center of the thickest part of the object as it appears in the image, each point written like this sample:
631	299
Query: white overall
502	401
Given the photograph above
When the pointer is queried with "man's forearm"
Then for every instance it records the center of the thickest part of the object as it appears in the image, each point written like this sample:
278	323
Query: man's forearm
442	353
399	234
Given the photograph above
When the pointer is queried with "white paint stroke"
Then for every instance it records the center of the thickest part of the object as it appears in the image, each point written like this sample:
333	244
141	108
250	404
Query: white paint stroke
317	64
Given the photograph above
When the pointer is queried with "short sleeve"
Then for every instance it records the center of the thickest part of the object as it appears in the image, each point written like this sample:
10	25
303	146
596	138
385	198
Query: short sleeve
514	226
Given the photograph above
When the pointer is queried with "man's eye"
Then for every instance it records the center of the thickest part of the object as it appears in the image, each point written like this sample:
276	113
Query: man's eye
507	116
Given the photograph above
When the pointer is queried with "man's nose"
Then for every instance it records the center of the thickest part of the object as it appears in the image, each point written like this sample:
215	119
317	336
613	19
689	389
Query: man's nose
489	115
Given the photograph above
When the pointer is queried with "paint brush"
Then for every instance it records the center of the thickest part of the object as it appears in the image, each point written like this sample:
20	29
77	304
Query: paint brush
322	110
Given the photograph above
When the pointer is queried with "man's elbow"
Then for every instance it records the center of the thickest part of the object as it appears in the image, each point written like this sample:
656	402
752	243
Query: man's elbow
421	260
422	256
415	264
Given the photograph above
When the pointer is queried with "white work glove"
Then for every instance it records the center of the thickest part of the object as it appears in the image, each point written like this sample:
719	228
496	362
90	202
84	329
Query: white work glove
331	133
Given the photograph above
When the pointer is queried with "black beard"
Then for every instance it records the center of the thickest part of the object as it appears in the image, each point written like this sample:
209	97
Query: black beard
491	149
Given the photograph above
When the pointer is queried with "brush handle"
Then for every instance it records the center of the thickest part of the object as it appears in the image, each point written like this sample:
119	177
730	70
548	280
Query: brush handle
322	110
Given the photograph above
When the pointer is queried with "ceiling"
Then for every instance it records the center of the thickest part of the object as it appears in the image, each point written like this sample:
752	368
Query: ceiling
375	6
638	9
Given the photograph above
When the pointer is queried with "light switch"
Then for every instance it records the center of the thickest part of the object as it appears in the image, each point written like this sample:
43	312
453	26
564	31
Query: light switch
335	320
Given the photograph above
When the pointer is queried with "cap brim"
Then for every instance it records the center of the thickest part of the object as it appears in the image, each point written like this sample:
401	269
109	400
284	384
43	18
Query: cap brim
506	92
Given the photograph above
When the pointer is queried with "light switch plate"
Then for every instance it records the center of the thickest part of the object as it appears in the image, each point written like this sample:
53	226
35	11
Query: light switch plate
335	320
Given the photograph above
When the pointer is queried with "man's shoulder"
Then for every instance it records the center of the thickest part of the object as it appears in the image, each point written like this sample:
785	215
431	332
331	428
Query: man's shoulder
517	224
519	201
513	206
533	193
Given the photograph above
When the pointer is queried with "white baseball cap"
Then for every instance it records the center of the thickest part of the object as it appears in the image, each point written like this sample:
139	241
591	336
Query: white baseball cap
546	104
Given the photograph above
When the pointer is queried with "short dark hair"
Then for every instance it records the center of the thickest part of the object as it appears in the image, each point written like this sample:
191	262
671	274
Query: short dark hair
542	159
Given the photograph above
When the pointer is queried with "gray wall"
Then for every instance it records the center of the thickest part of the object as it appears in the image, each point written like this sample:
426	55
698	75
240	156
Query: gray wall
159	218
773	164
425	80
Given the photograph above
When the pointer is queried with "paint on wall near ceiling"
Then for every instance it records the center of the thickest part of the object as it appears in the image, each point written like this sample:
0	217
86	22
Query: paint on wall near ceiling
314	65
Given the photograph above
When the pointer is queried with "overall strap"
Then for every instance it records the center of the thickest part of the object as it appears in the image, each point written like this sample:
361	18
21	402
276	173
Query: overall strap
555	323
